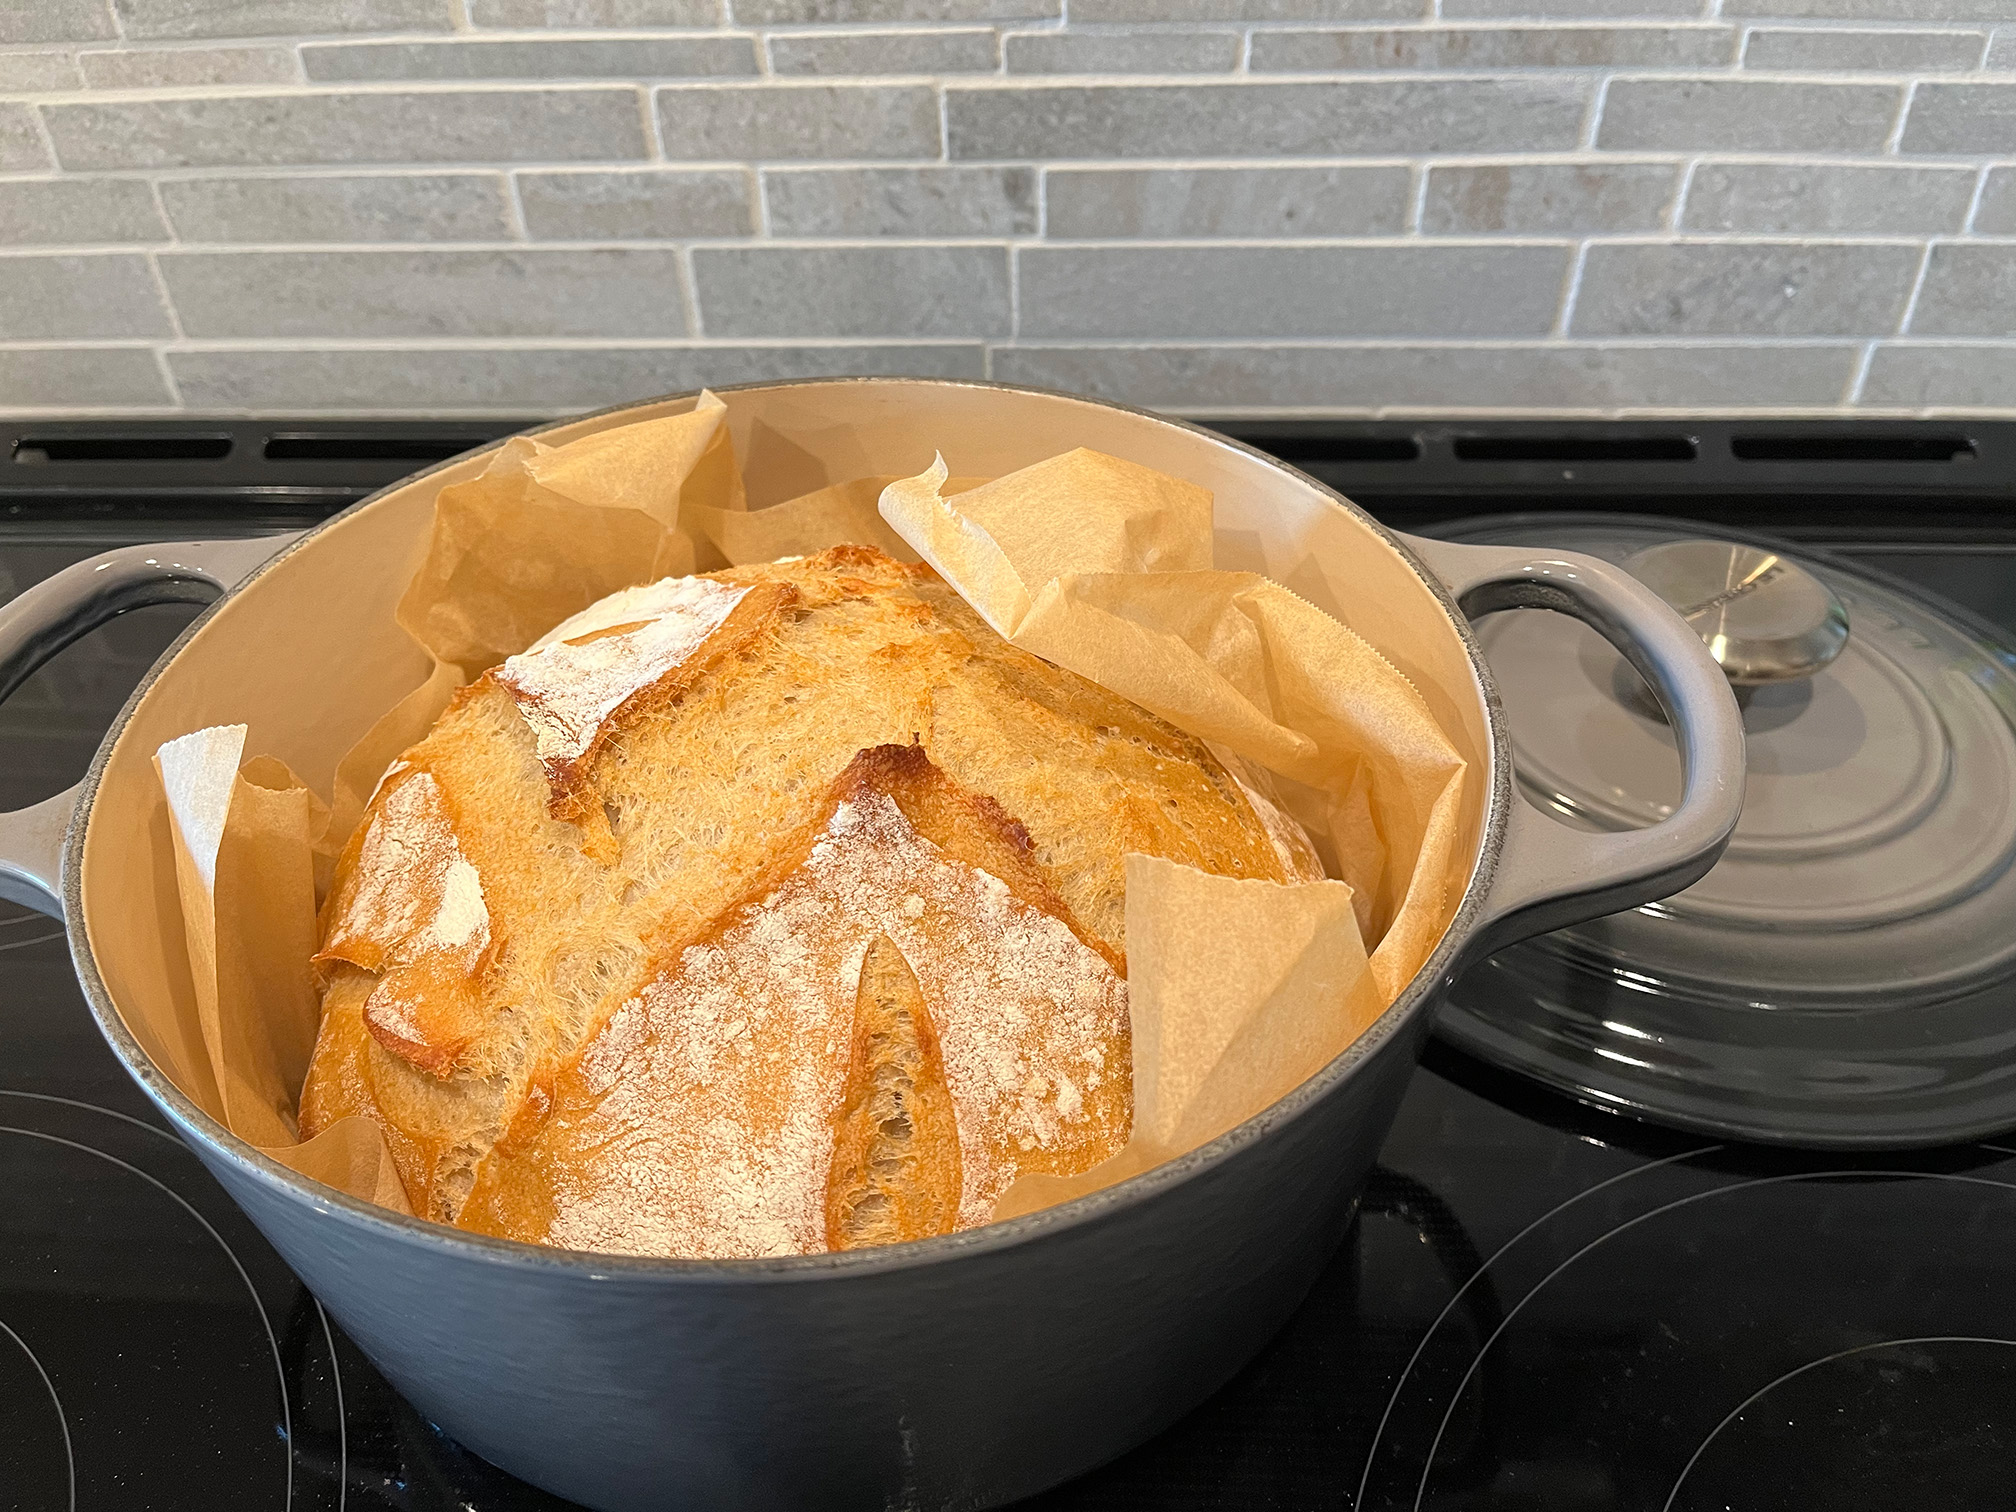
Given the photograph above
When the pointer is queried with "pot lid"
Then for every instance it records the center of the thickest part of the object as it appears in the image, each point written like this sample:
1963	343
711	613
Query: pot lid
1847	972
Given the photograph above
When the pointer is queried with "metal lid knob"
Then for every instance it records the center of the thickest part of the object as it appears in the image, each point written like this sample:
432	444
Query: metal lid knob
1765	618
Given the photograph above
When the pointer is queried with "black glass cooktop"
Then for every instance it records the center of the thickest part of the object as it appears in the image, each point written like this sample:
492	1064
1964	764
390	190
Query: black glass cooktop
1542	1307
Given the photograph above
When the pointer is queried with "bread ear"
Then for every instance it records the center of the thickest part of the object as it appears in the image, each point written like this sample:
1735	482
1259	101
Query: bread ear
895	1171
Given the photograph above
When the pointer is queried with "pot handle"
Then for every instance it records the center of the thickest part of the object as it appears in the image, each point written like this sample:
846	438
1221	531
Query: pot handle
1549	875
40	621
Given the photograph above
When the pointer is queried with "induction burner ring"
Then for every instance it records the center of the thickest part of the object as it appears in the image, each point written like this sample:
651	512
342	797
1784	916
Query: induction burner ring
1456	1300
1780	1179
62	1421
265	1319
1798	1370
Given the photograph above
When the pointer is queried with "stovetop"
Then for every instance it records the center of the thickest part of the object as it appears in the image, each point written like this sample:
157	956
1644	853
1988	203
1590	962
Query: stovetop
1542	1306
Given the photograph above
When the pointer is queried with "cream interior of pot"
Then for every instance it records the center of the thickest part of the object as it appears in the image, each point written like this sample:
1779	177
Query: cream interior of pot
310	656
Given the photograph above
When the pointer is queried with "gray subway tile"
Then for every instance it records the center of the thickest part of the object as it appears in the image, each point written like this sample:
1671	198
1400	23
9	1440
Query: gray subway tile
1347	118
1902	376
180	67
1494	47
1291	292
73	378
55	21
1743	289
1763	115
526	380
1966	118
1996	214
278	18
1096	203
422	126
1582	376
762	121
345	208
1824	198
1570	10
78	211
1871	10
575	57
38	72
1968	291
2001	52
865	54
437	292
1530	198
643	204
1068	52
852	291
70	297
816	12
1247	10
1887	51
571	13
21	149
907	202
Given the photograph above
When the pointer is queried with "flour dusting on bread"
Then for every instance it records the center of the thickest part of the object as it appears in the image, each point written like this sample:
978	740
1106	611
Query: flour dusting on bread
574	677
410	906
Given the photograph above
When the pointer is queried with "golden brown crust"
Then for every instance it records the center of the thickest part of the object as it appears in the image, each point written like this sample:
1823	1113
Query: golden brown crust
895	1170
707	786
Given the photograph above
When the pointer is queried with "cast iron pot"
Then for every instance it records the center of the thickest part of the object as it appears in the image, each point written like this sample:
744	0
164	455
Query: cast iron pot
964	1371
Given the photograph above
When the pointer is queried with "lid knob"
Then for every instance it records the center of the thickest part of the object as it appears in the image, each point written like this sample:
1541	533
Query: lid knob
1765	618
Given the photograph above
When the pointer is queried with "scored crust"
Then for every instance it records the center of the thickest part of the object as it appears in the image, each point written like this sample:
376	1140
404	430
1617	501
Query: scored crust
843	689
702	1118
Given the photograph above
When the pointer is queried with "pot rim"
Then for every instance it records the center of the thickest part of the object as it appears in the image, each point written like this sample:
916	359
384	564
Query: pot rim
202	1131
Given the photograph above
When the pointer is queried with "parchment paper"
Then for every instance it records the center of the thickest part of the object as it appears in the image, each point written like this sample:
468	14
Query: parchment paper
1239	989
245	861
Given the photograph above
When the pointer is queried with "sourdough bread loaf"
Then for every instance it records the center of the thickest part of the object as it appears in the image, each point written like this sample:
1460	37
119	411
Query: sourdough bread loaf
770	911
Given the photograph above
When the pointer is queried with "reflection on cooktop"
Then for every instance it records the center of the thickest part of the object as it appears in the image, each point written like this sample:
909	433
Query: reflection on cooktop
155	1351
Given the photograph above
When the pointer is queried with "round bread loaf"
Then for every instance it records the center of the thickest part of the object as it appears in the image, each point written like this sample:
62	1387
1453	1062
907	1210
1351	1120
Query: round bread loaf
770	911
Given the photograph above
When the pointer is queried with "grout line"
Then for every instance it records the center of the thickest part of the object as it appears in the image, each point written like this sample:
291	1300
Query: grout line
1417	210
1535	342
161	209
1859	375
1974	203
1597	99
1377	241
944	125
167	302
167	372
1014	292
654	137
689	289
1910	309
1681	190
514	208
48	141
759	201
1571	290
1896	134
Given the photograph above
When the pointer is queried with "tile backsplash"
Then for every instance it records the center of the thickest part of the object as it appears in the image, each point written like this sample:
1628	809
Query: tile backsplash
1207	206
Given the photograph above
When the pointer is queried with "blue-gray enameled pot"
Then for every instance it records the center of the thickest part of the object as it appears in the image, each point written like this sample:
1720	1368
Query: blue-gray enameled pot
964	1371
